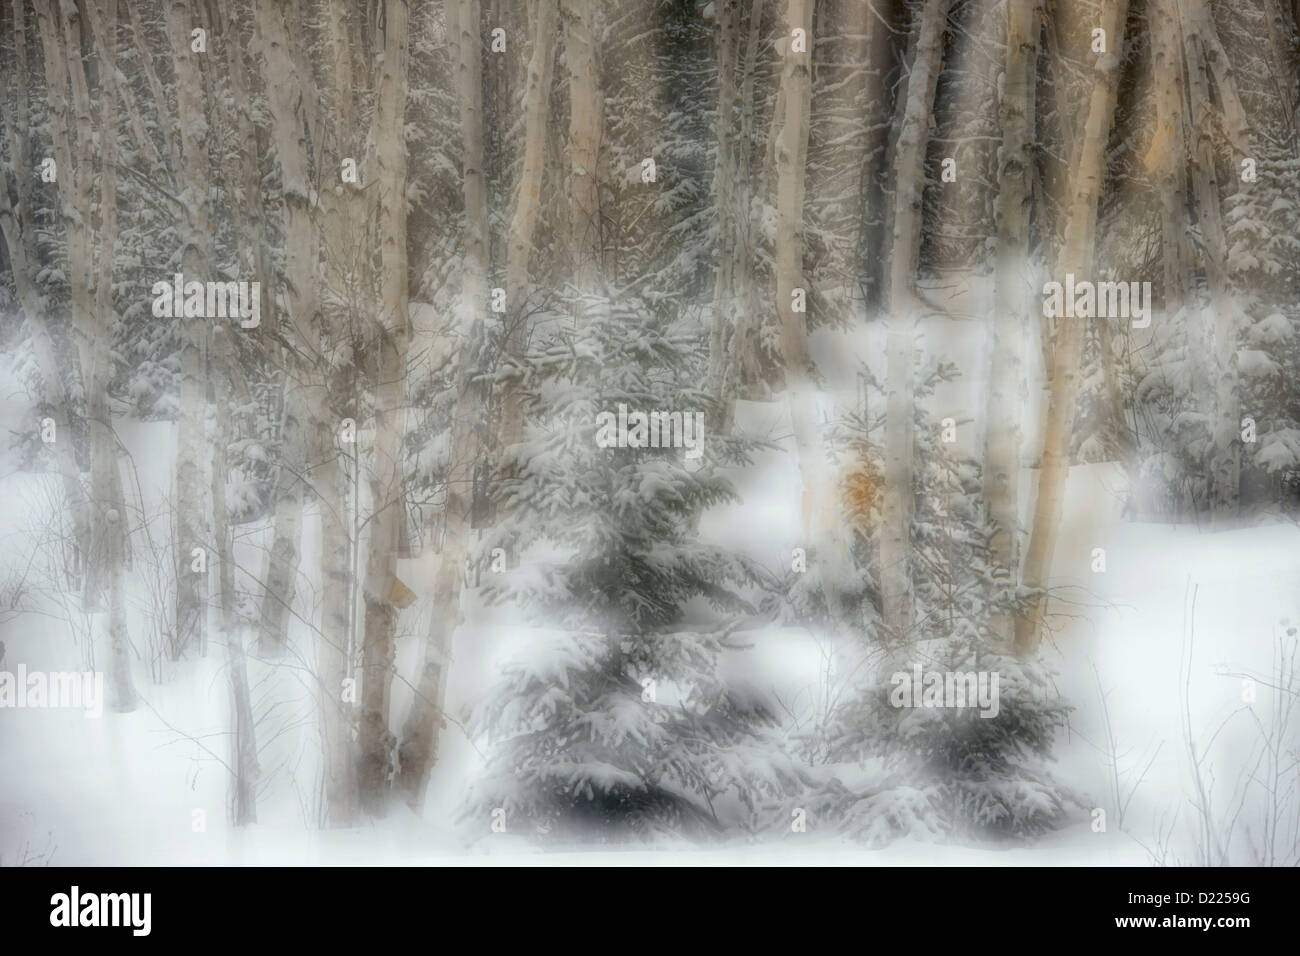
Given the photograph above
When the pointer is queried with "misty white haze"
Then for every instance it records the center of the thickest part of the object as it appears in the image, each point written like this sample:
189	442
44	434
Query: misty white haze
612	432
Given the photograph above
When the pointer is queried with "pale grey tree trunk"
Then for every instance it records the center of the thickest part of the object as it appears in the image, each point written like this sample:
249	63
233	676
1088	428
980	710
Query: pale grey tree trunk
392	332
909	167
1200	46
586	128
1168	155
243	742
1016	116
189	501
519	240
1076	257
419	748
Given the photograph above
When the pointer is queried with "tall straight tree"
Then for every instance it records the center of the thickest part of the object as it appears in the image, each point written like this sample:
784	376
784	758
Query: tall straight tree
523	222
347	269
419	745
904	304
1016	116
790	129
288	95
1168	154
733	339
1077	257
391	334
585	133
1205	61
189	505
92	303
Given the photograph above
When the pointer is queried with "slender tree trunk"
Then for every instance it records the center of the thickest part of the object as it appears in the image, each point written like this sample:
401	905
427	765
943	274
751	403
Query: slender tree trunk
909	167
347	252
743	355
419	746
243	744
821	523
1012	296
276	26
585	132
106	479
389	510
838	139
1225	458
725	174
519	243
1076	257
881	58
1168	153
189	504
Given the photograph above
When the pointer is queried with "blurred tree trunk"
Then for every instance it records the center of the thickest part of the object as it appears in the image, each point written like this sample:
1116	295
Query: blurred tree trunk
519	241
1076	257
287	97
821	524
419	748
391	334
1017	117
189	505
226	381
1202	51
586	129
909	189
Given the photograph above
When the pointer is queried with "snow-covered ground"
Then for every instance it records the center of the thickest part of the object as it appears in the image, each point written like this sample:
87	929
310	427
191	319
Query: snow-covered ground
150	787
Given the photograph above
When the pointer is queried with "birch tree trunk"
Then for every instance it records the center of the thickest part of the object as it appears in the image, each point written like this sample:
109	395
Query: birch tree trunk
189	503
821	523
92	302
519	242
838	141
585	134
734	362
1016	116
881	57
106	479
725	174
243	743
376	743
419	746
1225	458
276	25
1168	153
1076	257
909	168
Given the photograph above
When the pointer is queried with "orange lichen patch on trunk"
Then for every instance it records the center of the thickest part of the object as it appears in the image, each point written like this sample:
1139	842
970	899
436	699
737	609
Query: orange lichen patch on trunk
861	487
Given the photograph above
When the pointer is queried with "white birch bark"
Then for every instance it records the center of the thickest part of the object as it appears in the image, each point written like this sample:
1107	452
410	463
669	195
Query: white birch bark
897	505
376	742
419	748
189	503
1016	116
1225	457
1076	257
519	242
586	127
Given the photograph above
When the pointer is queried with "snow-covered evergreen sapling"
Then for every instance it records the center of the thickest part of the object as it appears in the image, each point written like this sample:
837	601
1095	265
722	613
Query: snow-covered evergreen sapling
928	768
614	722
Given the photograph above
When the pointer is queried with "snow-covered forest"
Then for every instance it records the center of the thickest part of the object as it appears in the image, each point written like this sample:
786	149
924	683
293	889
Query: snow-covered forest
765	430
